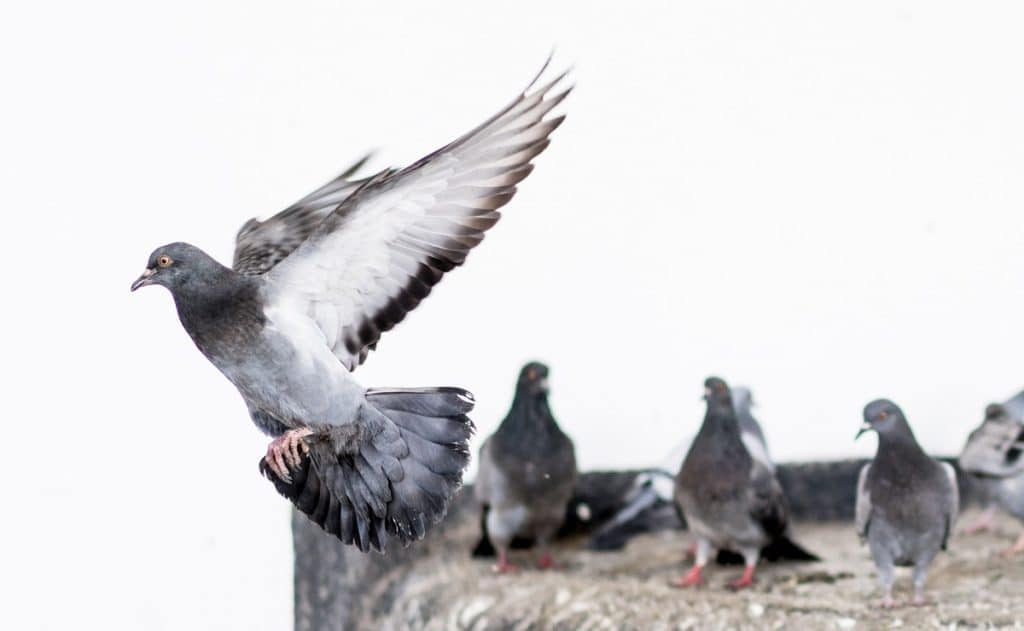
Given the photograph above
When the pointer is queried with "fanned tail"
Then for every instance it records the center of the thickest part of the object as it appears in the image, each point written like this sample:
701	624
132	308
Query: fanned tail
390	473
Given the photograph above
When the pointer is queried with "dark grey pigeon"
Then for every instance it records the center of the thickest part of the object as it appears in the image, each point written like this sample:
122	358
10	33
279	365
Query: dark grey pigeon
907	502
730	499
527	472
994	456
309	295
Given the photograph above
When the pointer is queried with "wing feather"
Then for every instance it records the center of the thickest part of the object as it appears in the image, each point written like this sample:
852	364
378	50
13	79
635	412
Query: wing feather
862	510
375	256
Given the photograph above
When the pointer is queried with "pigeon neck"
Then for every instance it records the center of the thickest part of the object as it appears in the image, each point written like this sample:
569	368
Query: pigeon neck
899	444
530	411
215	302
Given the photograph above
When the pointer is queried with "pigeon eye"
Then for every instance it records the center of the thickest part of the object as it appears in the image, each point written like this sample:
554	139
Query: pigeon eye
882	415
532	375
164	261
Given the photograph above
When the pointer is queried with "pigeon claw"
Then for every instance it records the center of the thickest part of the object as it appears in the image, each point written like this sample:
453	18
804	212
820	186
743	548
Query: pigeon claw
547	562
284	453
744	581
1015	549
692	578
503	566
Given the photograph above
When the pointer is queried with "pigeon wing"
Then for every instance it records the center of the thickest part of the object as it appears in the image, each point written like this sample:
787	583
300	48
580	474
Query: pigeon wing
994	449
260	245
953	501
767	501
377	255
862	511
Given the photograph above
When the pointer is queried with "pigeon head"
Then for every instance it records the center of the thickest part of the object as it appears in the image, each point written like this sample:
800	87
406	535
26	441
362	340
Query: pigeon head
995	412
717	393
884	417
175	265
742	398
533	379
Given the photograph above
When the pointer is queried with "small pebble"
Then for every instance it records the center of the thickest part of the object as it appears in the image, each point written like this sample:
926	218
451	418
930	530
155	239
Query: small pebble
846	623
756	610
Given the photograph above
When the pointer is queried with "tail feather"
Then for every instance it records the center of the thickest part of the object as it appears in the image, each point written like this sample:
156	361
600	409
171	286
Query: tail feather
390	473
437	402
781	548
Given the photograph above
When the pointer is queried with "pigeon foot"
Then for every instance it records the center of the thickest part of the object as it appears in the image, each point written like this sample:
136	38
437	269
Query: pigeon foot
982	523
920	600
744	581
547	562
286	451
1015	549
692	578
503	566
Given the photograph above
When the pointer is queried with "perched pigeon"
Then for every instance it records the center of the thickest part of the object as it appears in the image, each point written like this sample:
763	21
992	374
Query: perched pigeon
311	291
907	502
729	497
992	456
527	472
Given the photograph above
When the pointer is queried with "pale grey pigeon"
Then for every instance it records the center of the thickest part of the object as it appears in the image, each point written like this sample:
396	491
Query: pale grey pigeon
730	499
309	295
907	502
527	472
993	457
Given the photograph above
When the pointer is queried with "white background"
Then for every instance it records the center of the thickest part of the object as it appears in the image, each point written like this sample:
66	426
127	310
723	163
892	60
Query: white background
819	199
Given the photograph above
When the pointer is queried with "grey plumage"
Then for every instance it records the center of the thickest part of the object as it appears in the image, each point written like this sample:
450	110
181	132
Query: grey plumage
729	499
313	289
907	502
994	456
750	430
527	470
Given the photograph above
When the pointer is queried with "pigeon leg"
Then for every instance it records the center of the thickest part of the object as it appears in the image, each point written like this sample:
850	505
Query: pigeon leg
546	561
750	557
886	577
284	452
983	522
693	578
919	576
691	552
503	566
1016	548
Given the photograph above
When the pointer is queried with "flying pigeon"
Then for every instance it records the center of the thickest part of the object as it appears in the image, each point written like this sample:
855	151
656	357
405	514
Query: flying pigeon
907	502
309	293
729	497
992	456
527	472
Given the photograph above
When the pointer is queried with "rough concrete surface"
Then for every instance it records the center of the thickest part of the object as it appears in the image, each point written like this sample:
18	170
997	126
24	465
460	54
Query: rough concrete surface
435	584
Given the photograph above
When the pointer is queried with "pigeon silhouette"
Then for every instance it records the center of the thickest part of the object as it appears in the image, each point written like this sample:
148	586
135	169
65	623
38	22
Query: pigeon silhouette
309	294
907	502
527	473
729	498
993	457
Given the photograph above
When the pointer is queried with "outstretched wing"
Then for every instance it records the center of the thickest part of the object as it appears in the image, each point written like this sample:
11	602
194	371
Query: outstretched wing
260	245
377	255
862	510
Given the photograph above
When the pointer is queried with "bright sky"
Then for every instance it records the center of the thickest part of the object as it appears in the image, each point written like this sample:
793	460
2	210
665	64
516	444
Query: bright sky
817	199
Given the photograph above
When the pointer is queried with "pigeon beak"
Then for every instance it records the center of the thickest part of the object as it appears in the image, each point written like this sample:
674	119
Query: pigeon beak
145	279
866	427
707	394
